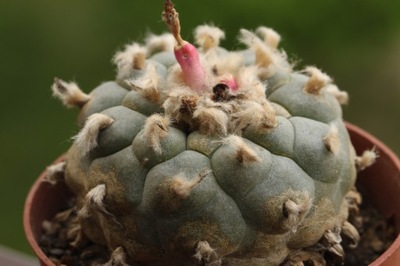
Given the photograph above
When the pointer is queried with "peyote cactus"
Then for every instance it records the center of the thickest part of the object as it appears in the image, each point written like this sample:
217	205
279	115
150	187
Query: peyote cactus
204	156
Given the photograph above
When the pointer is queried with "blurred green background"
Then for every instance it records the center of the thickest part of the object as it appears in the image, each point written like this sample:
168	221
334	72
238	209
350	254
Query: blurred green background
356	42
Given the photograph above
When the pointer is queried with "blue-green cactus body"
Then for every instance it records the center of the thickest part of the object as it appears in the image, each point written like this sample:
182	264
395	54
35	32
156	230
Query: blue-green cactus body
273	184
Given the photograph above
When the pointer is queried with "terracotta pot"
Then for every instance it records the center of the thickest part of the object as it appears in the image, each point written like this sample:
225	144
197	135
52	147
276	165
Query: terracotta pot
380	181
43	202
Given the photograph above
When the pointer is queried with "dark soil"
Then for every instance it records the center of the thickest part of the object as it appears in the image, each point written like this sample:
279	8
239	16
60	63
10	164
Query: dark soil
376	232
57	236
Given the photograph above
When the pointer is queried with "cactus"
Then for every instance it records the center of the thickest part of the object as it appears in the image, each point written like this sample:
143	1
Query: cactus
204	156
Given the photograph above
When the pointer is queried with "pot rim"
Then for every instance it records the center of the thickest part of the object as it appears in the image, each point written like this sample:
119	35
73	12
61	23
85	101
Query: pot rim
384	259
389	256
27	215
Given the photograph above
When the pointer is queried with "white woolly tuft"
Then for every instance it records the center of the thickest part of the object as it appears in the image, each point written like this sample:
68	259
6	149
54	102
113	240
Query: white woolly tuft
317	80
260	115
133	57
69	93
251	87
244	154
367	159
55	173
86	139
180	104
341	96
227	107
333	238
78	237
94	204
155	129
296	211
94	198
249	39
212	121
163	42
351	232
266	56
118	257
149	84
182	187
97	194
204	252
221	65
208	37
270	36
332	140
